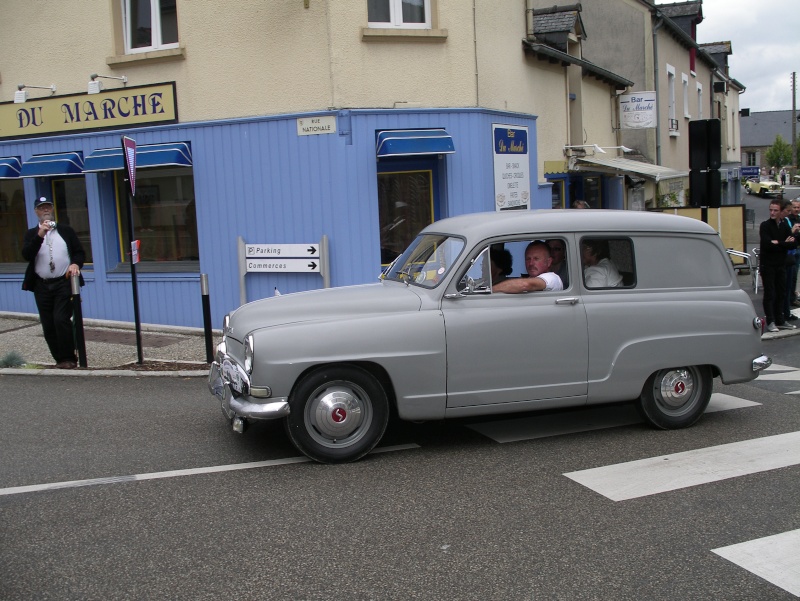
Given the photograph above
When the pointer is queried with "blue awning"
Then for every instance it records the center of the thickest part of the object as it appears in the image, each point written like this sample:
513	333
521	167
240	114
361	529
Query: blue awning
46	165
10	167
410	142
177	154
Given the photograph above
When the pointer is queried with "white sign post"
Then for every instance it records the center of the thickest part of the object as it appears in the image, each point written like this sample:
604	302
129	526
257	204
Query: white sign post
512	169
283	258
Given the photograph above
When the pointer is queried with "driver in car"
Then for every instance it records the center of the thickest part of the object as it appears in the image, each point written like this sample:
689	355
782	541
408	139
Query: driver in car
537	264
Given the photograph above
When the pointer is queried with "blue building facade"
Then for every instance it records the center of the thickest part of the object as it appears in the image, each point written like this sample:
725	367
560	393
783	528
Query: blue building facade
254	179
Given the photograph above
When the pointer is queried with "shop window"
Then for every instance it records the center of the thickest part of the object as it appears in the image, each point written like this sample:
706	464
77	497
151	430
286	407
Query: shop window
13	220
405	206
557	194
164	216
411	14
150	25
72	209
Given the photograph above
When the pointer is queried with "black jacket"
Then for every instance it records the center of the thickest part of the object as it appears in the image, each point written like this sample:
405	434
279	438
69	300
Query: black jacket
774	254
31	244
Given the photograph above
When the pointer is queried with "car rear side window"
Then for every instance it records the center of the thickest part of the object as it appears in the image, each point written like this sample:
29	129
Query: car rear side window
607	262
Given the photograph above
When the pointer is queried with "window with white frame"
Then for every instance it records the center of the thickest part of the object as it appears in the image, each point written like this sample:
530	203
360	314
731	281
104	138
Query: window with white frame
686	112
673	122
699	100
149	25
407	14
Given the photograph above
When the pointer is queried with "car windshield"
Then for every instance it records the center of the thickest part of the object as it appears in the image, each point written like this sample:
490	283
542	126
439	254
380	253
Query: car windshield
426	261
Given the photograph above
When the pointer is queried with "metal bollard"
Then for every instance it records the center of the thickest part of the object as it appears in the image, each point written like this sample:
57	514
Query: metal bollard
77	319
207	318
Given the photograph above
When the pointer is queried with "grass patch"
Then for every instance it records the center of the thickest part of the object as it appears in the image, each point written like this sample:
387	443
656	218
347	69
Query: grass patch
12	359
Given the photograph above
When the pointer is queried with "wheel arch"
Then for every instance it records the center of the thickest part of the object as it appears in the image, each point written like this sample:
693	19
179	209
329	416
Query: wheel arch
374	369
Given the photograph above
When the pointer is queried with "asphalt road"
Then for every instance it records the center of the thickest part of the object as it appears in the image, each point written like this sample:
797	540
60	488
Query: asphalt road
450	514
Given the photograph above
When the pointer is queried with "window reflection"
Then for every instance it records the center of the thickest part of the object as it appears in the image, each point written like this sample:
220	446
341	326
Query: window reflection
164	215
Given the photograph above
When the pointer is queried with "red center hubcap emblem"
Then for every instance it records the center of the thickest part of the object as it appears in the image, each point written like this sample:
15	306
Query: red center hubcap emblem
680	387
338	415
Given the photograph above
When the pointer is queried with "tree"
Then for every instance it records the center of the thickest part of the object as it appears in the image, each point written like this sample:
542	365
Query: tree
780	153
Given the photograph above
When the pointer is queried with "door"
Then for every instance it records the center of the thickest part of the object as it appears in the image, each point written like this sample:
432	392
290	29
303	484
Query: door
505	348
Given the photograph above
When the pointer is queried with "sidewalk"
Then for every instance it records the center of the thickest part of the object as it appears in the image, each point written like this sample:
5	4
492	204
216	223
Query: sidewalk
110	347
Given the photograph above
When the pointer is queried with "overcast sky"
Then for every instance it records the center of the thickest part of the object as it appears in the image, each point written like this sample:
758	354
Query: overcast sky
765	39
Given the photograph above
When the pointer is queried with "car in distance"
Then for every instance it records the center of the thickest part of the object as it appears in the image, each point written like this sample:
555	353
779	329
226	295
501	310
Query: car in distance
763	187
432	340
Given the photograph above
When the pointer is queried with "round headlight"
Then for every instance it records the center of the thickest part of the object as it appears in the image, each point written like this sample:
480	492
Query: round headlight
248	354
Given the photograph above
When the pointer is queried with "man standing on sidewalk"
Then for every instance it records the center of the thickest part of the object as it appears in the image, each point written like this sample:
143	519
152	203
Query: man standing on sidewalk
776	239
54	254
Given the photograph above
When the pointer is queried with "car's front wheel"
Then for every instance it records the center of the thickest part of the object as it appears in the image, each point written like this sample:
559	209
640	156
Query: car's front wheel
338	414
677	397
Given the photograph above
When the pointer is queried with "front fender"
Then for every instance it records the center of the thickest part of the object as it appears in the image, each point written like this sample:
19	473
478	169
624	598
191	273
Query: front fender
409	346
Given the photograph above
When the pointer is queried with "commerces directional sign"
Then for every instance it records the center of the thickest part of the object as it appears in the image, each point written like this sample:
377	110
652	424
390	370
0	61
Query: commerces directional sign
283	258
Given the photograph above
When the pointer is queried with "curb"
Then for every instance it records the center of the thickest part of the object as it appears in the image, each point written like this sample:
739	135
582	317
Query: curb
17	371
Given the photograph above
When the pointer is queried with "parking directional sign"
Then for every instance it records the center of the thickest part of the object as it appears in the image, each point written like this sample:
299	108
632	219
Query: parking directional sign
262	251
273	265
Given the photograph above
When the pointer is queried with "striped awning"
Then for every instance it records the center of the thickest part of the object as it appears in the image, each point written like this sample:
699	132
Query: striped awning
413	142
175	154
10	167
48	165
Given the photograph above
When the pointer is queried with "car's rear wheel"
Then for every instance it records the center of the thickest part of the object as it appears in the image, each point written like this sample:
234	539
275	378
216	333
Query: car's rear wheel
676	397
338	414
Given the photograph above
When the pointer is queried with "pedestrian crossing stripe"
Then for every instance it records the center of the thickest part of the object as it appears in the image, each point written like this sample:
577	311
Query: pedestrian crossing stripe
655	475
773	558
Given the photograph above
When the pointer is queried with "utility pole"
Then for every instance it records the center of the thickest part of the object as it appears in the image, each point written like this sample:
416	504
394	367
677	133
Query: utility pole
794	124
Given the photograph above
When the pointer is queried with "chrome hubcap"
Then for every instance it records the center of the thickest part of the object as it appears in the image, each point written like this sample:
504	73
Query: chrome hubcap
676	388
338	415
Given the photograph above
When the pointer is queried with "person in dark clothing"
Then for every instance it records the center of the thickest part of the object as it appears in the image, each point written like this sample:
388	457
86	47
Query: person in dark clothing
776	239
793	222
54	254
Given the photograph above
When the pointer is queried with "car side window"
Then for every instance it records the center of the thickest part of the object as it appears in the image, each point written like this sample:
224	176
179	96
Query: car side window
607	262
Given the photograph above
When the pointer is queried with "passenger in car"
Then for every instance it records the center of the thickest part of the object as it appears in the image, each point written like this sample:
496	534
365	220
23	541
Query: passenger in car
598	269
558	250
502	262
537	264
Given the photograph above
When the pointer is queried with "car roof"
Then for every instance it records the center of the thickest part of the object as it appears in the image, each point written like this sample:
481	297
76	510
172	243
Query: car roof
486	225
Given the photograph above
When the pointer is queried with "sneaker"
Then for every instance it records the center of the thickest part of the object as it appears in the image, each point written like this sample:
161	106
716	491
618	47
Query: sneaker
786	326
792	317
772	327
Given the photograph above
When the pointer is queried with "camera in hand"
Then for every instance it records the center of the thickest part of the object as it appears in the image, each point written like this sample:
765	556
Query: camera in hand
50	224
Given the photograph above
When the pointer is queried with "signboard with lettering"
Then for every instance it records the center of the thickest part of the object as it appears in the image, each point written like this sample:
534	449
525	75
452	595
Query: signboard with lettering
512	171
111	109
310	126
287	258
750	171
637	110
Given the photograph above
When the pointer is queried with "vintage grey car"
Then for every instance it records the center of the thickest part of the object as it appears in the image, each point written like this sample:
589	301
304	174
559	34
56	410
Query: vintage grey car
432	340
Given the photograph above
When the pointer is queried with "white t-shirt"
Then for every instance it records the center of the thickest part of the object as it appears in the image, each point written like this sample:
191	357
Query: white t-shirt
602	275
551	280
53	248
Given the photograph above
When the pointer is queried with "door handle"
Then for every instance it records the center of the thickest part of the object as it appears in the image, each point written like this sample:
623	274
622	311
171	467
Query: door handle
572	300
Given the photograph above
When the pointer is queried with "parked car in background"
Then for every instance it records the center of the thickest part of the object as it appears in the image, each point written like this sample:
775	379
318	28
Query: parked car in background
432	339
763	187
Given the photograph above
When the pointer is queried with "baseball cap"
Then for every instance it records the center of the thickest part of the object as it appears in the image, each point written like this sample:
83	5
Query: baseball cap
41	201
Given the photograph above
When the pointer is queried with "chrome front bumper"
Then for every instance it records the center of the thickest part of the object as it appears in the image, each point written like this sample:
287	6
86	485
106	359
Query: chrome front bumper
763	362
230	384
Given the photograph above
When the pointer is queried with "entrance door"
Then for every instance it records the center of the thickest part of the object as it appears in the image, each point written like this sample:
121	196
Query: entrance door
408	200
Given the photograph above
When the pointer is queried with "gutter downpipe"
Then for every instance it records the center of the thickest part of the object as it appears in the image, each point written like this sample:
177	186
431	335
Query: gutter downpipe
658	25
